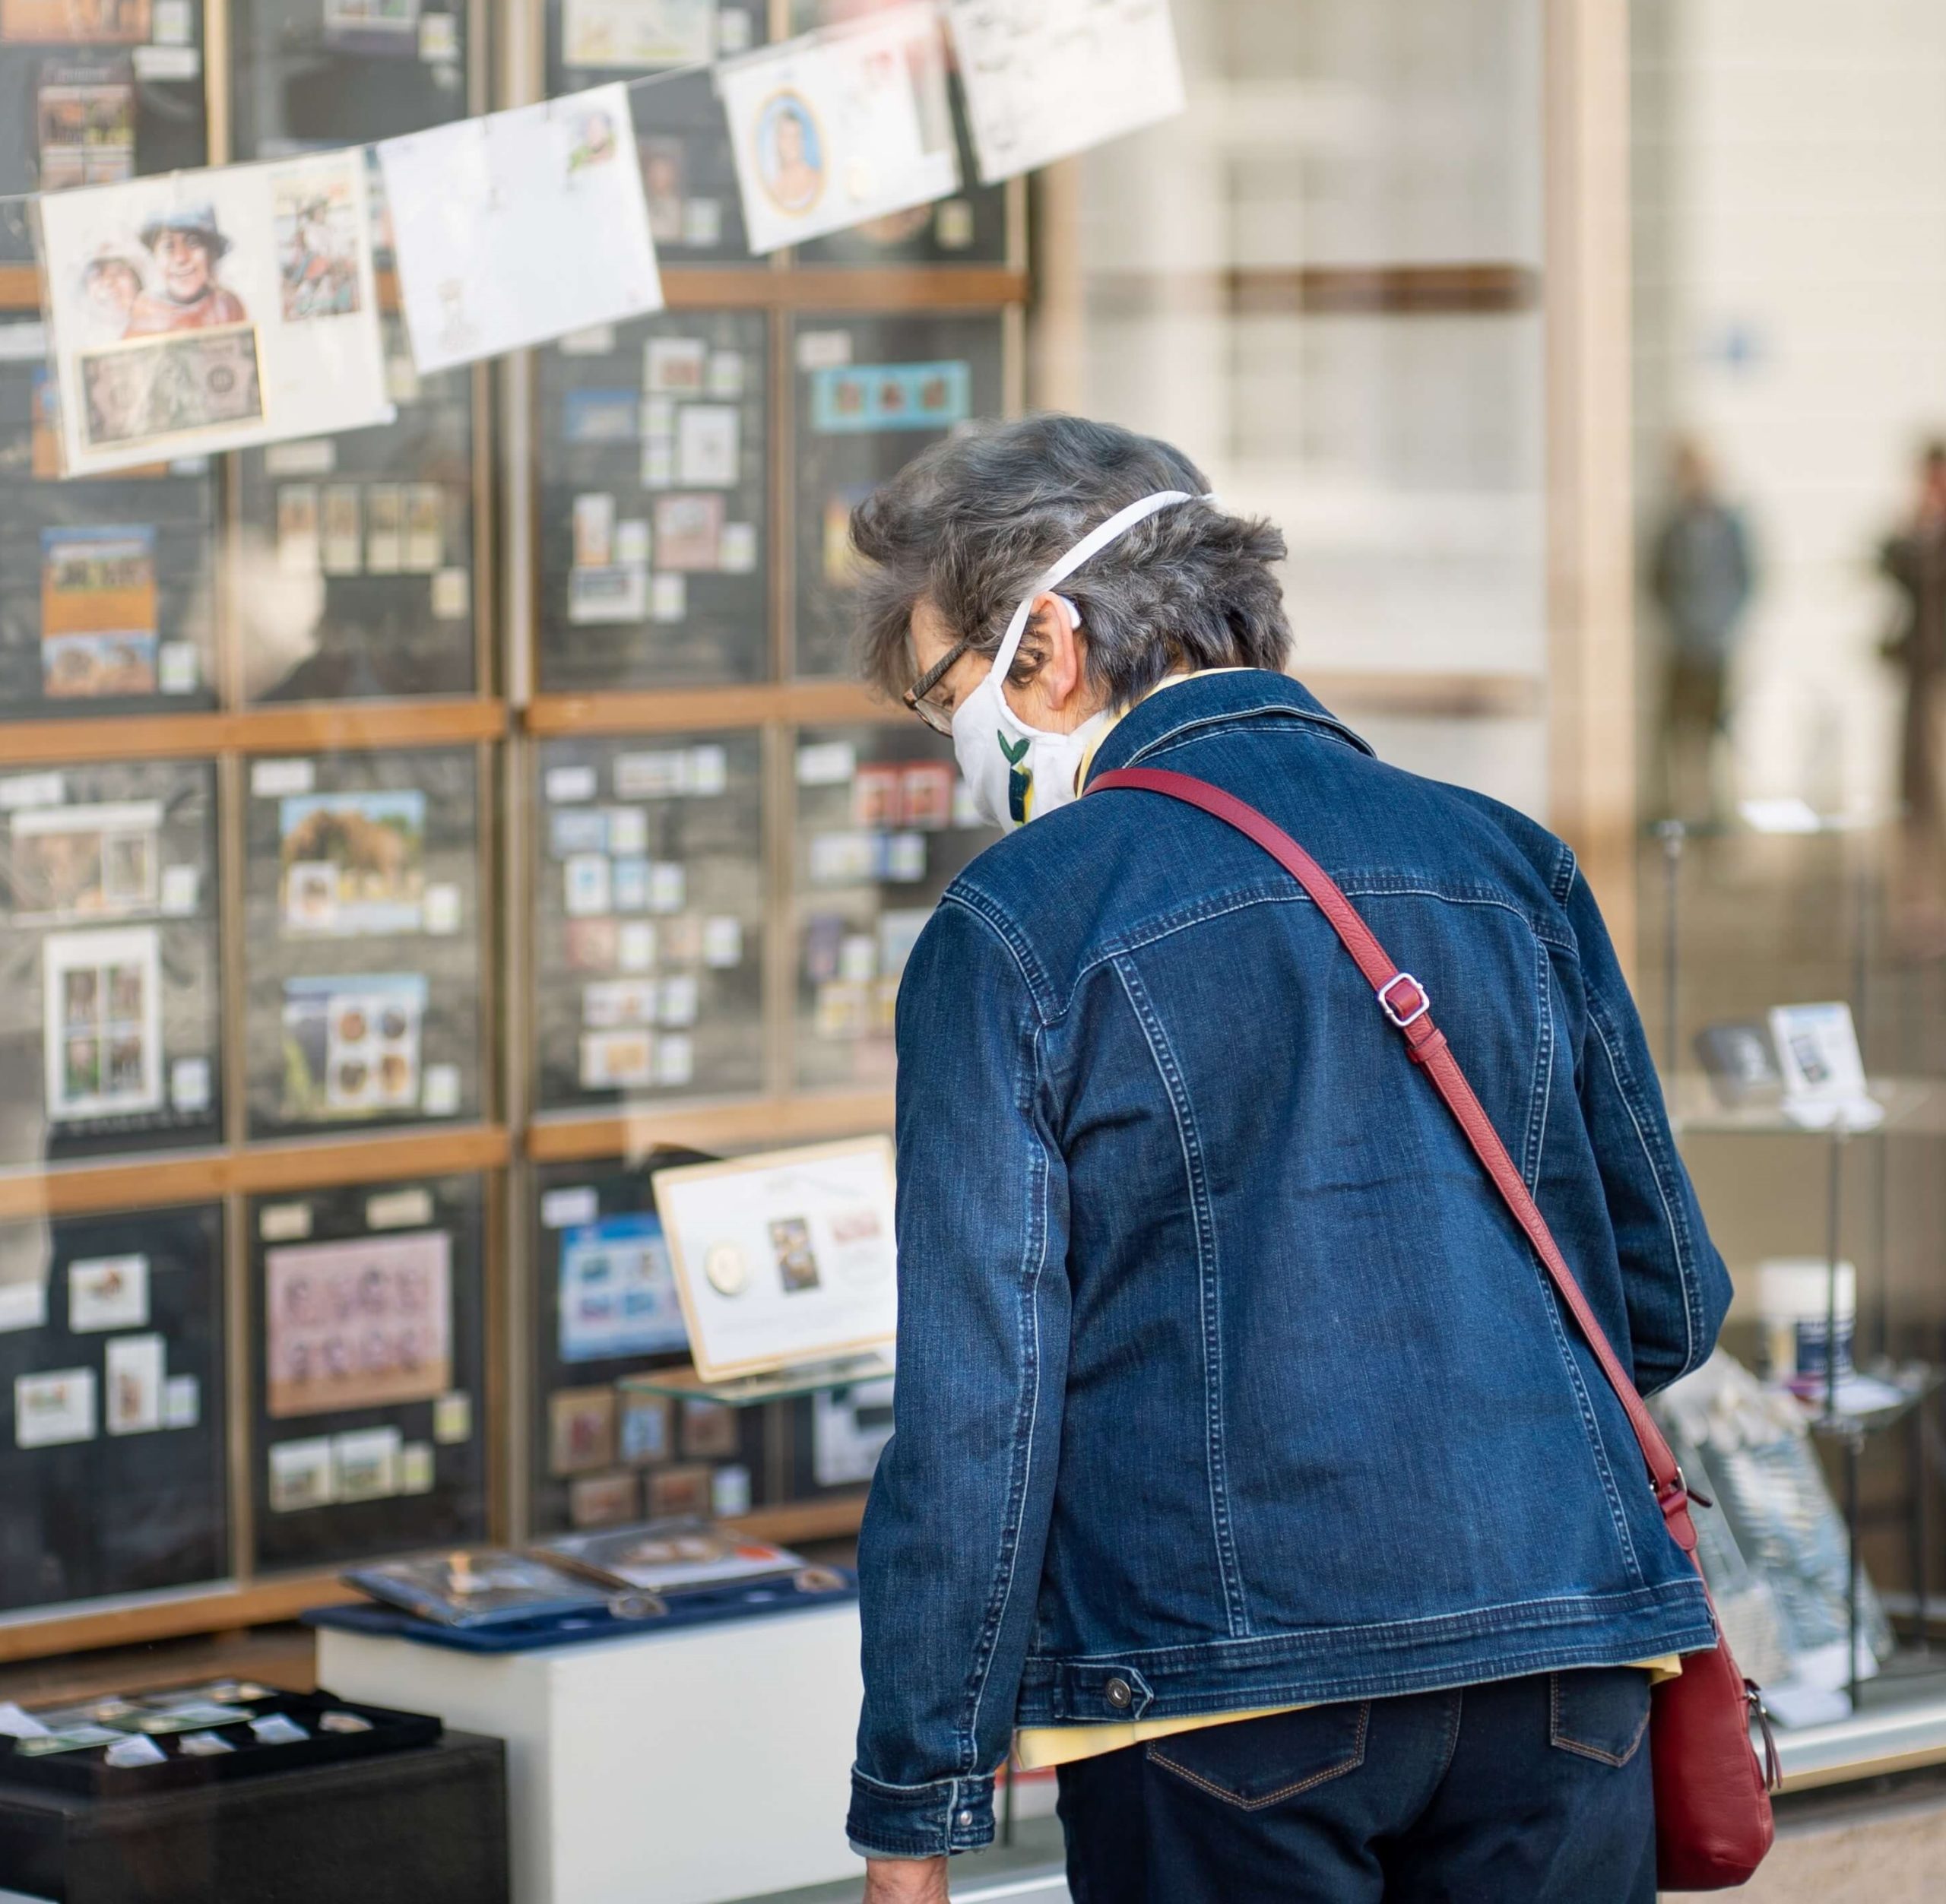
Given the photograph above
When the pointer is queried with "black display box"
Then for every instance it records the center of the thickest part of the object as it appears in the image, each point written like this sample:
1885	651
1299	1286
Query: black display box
424	1826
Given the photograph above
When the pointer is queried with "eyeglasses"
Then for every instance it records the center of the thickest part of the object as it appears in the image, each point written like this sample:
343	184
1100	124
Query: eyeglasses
937	718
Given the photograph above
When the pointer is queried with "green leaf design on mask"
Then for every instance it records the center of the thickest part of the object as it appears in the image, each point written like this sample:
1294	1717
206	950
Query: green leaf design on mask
1017	752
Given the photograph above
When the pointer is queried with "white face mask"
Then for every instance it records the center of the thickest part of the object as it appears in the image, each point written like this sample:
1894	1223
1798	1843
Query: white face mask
1016	773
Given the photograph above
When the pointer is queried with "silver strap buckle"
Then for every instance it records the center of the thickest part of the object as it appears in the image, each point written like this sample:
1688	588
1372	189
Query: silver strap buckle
1392	1012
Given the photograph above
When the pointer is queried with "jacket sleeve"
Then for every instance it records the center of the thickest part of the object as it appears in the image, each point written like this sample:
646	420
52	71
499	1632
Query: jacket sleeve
1674	1283
949	1558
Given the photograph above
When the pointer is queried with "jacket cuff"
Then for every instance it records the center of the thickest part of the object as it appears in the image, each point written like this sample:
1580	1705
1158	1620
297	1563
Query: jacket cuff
919	1821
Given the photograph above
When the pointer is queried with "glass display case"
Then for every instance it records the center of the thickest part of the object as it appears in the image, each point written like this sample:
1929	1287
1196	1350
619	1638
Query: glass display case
111	1350
400	828
368	1368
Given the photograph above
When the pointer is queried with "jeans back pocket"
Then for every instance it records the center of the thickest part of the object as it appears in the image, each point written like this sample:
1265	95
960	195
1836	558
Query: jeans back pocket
1252	1764
1599	1712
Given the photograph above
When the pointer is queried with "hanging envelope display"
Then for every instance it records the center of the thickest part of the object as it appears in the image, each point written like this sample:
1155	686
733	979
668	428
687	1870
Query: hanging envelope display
213	310
1045	79
520	227
842	126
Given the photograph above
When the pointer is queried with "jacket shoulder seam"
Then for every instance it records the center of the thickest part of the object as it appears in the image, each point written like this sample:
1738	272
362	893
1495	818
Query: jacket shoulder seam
971	899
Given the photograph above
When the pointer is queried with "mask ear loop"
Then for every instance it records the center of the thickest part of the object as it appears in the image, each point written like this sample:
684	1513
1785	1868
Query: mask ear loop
1096	539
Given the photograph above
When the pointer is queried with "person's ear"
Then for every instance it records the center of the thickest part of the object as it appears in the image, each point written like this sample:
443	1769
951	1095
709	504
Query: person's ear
1056	623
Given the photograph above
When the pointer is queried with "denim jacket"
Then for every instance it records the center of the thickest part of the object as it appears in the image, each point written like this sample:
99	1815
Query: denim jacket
1225	1380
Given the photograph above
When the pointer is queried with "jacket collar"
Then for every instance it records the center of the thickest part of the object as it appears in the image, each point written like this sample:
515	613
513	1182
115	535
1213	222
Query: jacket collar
1216	700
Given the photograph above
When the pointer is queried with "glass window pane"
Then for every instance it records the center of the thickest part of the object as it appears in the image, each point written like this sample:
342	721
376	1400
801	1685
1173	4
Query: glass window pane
113	1477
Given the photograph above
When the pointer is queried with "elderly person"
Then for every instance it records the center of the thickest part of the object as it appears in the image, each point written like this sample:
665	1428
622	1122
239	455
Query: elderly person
1246	1466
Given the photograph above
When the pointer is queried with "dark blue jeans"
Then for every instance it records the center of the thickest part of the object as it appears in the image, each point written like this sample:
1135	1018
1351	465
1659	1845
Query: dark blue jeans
1530	1790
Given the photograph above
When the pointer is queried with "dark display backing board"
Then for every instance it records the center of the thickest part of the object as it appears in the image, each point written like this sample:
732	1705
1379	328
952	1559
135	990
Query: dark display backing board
676	923
299	82
121	81
873	851
125	1512
596	407
360	616
453	1510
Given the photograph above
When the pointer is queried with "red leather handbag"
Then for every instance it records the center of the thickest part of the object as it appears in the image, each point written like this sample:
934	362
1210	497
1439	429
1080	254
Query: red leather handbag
1713	1795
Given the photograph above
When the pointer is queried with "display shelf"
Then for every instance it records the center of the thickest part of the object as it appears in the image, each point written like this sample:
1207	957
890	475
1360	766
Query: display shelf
1913	1106
751	1391
142	1619
742	1124
670	709
831	1519
1901	1726
264	1169
346	727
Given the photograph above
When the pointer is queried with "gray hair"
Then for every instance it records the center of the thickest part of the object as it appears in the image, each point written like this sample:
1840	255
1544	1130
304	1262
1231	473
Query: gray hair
971	524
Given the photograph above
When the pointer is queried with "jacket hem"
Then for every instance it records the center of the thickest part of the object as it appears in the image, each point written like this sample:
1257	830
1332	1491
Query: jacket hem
1323	1665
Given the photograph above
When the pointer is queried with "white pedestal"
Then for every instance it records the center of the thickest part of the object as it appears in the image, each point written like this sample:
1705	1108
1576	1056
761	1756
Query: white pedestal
684	1767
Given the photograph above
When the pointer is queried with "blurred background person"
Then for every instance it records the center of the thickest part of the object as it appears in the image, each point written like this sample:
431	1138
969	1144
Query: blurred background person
1915	559
1700	573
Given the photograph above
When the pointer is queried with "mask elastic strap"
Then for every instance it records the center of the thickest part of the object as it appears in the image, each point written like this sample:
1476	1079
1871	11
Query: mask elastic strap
1096	540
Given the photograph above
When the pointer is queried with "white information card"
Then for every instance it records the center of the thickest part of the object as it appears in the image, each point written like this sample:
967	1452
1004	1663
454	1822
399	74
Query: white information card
784	1259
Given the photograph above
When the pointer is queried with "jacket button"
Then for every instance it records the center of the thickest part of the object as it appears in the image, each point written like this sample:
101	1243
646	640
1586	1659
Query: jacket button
1121	1696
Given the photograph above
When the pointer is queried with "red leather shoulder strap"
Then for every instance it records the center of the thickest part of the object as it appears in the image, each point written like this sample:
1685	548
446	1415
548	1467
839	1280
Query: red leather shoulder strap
1404	1003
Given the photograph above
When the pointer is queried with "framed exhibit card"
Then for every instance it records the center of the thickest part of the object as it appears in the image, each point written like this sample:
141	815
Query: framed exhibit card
606	1308
784	1259
883	826
111	1362
363	547
92	95
871	393
363	997
105	583
109	1030
649	918
688	175
367	1364
654	504
306	72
